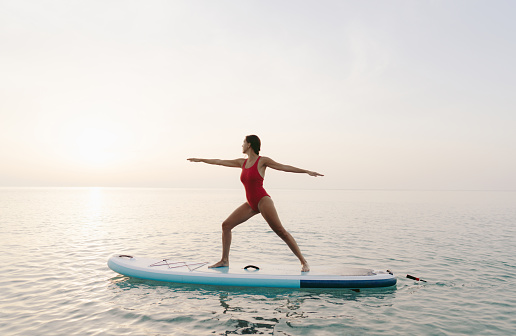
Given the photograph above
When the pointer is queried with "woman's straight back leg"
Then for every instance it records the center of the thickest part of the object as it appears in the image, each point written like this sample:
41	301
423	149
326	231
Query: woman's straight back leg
270	214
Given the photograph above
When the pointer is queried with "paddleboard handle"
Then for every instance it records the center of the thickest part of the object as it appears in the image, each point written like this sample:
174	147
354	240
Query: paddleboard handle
252	266
414	278
125	256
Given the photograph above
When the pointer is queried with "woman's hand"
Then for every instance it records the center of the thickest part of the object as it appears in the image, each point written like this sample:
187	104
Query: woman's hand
314	174
194	160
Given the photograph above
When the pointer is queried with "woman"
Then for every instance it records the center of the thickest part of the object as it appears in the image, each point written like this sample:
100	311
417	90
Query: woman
258	201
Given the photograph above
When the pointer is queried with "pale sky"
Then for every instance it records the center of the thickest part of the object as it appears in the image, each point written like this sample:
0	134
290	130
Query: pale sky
373	94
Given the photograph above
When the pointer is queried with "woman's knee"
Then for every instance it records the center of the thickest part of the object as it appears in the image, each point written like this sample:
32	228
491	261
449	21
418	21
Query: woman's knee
227	226
281	232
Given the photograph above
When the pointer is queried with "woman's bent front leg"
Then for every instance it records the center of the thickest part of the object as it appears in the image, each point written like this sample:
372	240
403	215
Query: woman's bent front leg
240	215
270	214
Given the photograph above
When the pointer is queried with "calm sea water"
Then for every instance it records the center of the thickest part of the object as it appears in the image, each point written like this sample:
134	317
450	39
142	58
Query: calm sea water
55	244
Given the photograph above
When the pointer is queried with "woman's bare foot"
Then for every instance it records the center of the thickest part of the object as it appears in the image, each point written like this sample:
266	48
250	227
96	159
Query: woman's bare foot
220	264
305	268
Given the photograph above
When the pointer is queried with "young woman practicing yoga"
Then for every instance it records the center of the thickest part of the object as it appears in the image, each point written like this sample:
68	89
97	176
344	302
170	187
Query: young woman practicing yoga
258	201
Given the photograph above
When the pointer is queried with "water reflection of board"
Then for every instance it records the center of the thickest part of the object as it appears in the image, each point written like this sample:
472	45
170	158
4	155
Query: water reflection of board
261	275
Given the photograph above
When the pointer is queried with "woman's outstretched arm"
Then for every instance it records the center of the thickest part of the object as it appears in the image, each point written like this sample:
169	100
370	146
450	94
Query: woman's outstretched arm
237	163
290	169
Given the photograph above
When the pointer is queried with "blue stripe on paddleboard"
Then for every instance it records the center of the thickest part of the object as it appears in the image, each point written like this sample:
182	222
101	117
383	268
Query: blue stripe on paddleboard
347	283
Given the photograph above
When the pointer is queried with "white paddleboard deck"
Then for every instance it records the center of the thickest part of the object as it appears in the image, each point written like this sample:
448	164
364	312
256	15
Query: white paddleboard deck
289	276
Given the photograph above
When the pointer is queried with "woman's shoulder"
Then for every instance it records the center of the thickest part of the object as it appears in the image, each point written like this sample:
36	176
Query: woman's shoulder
264	160
240	160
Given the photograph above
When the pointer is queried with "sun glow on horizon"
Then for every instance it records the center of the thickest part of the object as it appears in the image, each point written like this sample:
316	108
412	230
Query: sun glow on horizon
96	147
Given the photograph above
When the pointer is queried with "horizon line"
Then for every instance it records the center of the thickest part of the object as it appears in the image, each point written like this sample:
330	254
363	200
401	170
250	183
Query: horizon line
216	188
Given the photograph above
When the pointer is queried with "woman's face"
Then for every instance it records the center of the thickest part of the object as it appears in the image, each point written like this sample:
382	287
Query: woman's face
245	146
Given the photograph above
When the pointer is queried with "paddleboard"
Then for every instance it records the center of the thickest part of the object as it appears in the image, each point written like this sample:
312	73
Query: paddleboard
256	275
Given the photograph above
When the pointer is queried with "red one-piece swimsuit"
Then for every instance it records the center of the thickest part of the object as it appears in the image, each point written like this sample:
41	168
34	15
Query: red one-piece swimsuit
253	184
